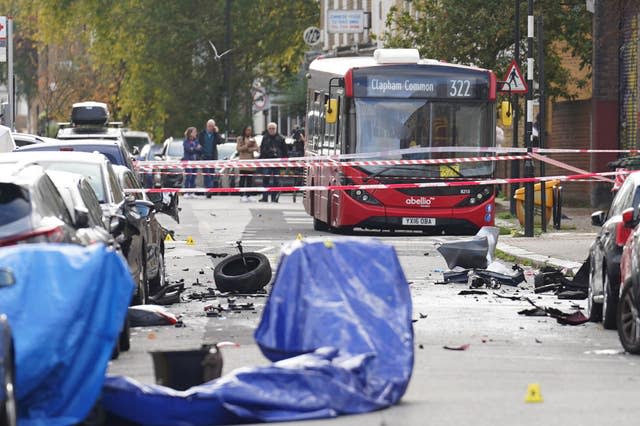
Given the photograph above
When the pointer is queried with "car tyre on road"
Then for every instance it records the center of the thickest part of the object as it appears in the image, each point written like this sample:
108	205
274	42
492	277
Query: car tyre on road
319	225
594	310
231	275
124	339
629	322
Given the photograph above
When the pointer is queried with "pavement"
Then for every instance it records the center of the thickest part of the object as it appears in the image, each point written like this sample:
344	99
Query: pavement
566	248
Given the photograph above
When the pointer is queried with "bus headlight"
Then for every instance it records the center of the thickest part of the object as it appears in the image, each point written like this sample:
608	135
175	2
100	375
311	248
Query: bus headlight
478	195
363	196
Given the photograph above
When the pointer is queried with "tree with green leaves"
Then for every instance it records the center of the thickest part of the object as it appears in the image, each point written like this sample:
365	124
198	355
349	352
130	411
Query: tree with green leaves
480	32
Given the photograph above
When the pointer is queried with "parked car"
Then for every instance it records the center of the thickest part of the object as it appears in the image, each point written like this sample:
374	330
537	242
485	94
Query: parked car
628	312
22	139
149	153
113	150
117	154
152	232
172	150
90	120
605	252
83	206
8	409
135	141
32	209
124	218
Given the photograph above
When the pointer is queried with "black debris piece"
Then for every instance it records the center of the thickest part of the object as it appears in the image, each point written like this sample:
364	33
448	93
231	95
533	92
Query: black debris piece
538	340
498	274
533	312
564	318
240	307
456	275
423	316
472	292
211	254
576	318
457	348
552	279
168	295
185	269
502	296
421	346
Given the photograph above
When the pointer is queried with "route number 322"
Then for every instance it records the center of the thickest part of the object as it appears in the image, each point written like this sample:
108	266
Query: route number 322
460	88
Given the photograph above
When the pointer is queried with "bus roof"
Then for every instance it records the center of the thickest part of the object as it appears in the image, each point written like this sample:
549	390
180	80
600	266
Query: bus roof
340	65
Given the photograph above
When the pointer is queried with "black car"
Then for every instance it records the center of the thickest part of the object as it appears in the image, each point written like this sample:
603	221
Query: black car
32	209
8	411
605	252
152	232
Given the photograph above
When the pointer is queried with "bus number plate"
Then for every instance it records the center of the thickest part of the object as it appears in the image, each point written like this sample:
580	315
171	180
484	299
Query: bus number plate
428	221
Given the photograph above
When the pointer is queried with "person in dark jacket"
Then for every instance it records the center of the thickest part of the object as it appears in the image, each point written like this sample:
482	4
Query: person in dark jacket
209	139
192	150
272	146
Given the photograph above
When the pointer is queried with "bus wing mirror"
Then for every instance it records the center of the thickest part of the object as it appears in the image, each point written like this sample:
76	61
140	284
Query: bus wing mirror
331	111
506	113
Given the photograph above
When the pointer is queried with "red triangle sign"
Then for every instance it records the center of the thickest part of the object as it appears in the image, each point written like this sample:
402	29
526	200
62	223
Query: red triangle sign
513	80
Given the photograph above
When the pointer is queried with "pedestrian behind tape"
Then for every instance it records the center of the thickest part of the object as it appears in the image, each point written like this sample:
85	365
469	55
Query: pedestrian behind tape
209	138
192	150
272	146
246	145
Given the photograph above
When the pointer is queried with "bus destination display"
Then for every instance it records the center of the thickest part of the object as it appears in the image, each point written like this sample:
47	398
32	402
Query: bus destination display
465	87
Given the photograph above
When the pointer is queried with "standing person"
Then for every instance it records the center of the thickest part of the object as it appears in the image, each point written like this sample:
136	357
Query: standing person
246	145
192	151
272	146
209	139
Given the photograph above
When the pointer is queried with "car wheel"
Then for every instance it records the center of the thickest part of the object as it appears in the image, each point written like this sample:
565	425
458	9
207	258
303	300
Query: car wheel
319	225
142	295
232	275
9	411
629	322
124	339
609	305
594	310
159	281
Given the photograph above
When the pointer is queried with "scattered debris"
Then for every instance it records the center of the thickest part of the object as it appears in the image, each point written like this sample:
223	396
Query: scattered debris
421	346
564	318
423	316
538	340
553	279
456	275
496	275
457	348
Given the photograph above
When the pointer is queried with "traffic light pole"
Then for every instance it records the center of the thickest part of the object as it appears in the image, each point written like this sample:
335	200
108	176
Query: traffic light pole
515	164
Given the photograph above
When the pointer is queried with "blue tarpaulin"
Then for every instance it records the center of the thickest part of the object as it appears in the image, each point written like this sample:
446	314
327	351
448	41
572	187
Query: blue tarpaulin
66	310
337	326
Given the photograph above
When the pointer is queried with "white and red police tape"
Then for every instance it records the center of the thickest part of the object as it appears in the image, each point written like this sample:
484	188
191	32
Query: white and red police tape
407	185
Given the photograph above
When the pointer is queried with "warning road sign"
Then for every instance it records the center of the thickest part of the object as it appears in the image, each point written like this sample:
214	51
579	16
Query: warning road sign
514	80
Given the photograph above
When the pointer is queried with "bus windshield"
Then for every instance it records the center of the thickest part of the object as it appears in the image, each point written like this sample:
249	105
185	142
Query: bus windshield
391	124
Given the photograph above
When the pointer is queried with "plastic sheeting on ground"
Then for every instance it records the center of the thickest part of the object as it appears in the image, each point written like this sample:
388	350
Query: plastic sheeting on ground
66	310
338	326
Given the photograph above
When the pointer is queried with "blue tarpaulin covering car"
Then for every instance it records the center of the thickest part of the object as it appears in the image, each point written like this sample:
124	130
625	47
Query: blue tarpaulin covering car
337	327
66	307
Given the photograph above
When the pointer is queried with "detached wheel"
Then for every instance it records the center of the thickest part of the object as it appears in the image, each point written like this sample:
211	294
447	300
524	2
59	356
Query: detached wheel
8	410
231	275
629	322
609	305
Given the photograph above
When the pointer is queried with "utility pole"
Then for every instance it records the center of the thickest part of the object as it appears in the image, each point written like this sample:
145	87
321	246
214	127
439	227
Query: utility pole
542	100
10	80
515	164
227	68
528	163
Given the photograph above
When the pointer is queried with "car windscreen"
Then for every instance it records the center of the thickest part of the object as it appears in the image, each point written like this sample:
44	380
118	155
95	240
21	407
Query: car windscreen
14	204
91	171
175	149
136	141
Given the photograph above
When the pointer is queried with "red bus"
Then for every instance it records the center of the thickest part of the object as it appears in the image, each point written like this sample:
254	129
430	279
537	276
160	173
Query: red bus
391	101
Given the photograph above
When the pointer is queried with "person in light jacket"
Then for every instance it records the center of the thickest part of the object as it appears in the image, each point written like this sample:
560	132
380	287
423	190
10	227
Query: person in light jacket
246	145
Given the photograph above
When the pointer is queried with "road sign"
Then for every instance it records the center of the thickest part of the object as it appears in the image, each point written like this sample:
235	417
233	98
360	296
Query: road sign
3	27
514	80
312	36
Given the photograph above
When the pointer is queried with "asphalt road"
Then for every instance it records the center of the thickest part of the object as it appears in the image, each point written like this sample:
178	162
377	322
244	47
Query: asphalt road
582	373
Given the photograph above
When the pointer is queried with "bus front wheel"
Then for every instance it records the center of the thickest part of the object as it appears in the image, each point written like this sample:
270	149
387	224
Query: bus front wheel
319	225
